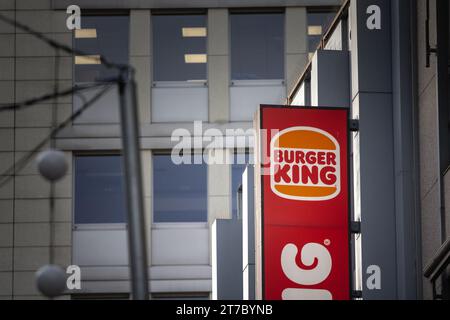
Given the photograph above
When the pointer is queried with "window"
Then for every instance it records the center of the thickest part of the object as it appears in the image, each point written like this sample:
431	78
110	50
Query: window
318	24
180	191
105	36
100	36
179	47
99	190
257	46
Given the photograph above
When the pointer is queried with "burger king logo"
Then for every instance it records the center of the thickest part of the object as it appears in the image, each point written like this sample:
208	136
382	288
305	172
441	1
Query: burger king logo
305	164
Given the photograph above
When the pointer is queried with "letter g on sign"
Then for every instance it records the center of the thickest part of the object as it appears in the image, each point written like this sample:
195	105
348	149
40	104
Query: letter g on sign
310	253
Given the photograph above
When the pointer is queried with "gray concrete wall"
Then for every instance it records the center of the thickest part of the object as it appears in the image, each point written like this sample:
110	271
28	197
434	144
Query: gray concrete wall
428	141
28	240
296	45
218	65
373	145
227	262
330	79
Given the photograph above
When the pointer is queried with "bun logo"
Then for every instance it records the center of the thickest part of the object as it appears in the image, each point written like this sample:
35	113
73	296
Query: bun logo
305	164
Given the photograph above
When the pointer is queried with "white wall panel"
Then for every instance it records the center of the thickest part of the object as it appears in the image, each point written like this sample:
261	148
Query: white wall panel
180	246
104	110
300	96
246	96
179	103
100	248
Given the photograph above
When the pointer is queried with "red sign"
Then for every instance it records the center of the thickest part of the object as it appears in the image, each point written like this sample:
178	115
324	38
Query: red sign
305	204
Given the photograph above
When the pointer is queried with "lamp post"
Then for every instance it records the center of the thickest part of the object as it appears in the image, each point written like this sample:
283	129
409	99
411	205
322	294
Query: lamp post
133	185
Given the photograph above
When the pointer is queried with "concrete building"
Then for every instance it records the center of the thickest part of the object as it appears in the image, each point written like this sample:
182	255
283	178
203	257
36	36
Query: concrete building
209	61
215	62
388	61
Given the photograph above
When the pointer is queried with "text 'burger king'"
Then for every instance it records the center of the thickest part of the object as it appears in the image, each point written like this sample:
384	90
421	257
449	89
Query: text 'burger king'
305	164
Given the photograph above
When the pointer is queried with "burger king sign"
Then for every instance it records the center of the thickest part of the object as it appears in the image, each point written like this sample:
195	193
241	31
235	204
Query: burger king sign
305	164
304	203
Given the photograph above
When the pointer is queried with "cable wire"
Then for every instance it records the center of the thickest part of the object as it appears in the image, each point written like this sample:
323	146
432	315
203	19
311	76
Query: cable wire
60	46
48	96
8	174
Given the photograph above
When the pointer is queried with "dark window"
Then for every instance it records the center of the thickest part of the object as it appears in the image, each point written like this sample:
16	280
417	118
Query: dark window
318	24
105	36
99	190
179	47
180	191
257	46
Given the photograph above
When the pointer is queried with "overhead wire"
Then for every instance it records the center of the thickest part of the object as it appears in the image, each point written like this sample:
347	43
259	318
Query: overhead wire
8	174
58	45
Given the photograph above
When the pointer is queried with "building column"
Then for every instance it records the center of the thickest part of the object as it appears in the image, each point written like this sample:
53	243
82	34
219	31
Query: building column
218	66
140	59
30	238
219	185
428	132
7	59
296	45
383	149
219	189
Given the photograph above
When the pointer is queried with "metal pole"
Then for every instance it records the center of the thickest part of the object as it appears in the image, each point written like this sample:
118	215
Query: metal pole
133	184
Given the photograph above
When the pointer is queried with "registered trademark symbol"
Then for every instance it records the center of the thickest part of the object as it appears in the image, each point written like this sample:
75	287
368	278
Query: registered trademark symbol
327	242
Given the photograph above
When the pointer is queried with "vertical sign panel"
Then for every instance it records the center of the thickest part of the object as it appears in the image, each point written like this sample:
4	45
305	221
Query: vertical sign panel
388	258
305	203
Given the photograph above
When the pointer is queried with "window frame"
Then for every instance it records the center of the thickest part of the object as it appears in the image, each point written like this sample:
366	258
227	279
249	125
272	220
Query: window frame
321	9
104	13
256	82
177	84
90	13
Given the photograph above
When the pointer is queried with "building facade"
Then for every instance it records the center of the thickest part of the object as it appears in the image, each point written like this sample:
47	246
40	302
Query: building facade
432	94
388	61
207	62
202	69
